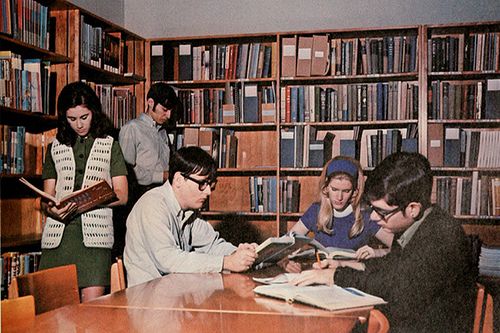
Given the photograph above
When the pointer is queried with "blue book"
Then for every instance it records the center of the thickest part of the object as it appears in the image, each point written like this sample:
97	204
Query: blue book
452	147
294	100
348	148
316	153
301	107
185	62
409	145
250	104
19	154
287	155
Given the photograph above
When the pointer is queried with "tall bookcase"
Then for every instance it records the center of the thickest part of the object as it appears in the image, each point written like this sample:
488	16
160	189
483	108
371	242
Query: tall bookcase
370	87
54	36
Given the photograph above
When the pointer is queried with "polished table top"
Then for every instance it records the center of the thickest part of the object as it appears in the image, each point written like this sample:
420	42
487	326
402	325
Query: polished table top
194	303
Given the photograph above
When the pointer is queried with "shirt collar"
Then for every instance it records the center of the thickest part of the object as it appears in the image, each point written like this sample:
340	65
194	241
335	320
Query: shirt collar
149	121
348	210
408	234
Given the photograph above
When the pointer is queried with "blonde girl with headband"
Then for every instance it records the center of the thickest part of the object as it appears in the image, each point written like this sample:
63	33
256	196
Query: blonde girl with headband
336	218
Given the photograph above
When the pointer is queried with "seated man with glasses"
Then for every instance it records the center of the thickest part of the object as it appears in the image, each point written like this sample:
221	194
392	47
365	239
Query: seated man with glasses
428	277
165	233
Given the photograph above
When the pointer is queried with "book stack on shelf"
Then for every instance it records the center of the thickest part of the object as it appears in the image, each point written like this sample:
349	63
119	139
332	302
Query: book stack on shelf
489	261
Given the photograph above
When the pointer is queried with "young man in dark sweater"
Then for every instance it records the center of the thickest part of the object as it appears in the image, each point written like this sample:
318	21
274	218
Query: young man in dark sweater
428	278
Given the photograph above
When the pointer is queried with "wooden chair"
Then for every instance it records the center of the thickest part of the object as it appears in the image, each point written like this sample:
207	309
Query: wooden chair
117	276
377	322
51	288
18	311
483	314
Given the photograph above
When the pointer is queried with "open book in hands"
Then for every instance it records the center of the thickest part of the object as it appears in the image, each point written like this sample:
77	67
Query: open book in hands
274	249
85	199
324	297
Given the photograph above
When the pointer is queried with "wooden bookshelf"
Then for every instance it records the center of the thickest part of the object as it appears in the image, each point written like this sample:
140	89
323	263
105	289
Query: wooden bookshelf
400	58
21	220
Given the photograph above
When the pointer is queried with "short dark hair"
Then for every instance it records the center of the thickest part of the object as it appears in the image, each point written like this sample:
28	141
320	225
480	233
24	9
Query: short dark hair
192	160
401	178
163	94
80	94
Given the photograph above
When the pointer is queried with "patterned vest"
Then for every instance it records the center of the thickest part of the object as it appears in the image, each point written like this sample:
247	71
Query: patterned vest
97	224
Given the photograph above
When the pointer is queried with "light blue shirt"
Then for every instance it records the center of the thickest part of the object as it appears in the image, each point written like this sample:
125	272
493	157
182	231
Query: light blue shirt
162	238
145	146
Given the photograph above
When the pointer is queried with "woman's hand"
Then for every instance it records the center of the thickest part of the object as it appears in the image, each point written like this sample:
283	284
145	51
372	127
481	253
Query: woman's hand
61	214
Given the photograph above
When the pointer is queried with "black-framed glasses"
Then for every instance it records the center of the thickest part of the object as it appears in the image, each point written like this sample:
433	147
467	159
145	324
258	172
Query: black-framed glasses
385	214
202	183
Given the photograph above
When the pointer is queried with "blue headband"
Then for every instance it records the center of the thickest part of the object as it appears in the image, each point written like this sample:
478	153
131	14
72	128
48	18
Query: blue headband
342	166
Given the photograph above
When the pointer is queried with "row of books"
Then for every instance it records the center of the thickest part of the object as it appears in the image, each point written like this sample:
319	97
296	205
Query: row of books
26	20
464	99
25	84
100	48
352	102
240	103
262	194
478	195
464	52
221	144
321	55
304	146
469	148
212	62
12	149
13	264
118	103
489	261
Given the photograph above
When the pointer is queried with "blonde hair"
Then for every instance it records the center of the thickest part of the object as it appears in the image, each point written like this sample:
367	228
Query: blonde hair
325	216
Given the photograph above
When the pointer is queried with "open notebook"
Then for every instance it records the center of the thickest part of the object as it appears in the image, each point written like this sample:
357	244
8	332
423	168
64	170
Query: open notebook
324	297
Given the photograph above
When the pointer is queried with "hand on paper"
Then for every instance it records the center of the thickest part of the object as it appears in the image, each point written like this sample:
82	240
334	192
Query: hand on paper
241	259
314	276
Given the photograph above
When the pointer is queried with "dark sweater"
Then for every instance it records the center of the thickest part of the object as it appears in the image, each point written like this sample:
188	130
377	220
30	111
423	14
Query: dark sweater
429	285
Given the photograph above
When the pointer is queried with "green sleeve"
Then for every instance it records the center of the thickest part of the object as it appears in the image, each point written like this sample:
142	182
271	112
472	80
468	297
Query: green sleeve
118	166
49	168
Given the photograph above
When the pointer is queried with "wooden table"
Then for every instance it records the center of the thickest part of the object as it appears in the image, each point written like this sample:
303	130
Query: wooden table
194	303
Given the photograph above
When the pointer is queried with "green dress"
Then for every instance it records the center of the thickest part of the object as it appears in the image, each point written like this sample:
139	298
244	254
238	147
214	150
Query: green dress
93	264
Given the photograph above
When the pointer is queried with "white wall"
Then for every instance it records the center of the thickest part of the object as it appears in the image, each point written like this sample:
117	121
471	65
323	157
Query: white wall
160	18
111	10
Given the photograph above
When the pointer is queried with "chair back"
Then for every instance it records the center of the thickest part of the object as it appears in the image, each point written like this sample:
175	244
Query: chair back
18	312
483	314
51	288
377	322
117	276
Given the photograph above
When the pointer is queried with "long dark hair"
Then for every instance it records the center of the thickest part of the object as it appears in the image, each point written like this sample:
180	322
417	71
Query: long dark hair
80	94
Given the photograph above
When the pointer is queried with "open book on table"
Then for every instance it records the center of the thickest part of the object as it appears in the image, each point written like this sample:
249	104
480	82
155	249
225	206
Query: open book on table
86	198
324	297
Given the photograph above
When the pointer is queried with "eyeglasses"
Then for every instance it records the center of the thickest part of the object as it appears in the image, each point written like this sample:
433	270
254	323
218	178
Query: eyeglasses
385	214
202	184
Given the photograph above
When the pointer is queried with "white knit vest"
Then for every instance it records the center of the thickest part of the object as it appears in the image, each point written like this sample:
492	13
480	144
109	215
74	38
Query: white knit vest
97	224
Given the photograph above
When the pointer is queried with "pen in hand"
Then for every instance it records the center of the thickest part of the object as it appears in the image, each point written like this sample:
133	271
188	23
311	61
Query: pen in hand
318	260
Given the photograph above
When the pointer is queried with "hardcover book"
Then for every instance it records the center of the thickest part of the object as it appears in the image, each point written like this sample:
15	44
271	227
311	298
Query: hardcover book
86	198
324	297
